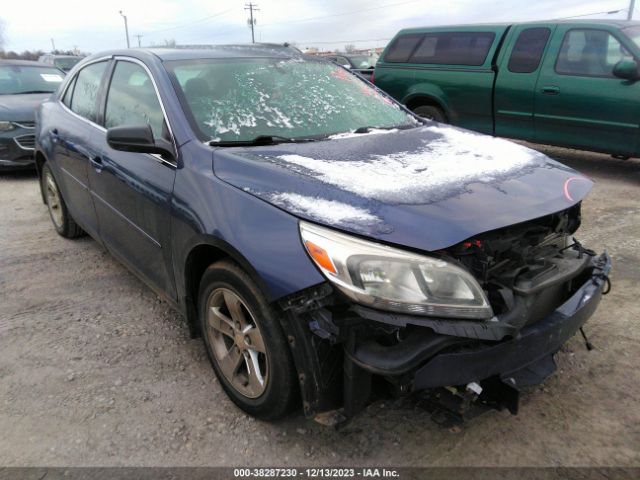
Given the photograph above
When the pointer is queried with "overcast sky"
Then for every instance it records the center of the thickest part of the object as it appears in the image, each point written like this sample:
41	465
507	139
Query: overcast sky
96	25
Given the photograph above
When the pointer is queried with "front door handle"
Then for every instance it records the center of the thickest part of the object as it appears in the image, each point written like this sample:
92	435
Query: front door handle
96	161
551	90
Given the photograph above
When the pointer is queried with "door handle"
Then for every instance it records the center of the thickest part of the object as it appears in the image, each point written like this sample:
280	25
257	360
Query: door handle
551	90
96	161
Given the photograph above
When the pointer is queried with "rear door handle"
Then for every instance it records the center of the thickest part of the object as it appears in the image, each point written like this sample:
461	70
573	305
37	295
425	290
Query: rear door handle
551	90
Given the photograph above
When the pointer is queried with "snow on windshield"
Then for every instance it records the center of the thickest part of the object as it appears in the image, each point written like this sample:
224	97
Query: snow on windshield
244	98
453	159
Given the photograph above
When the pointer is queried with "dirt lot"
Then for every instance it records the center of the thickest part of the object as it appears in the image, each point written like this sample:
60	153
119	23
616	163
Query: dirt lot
96	370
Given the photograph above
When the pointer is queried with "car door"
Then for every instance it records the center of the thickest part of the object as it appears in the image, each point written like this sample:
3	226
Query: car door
578	100
132	191
518	69
72	140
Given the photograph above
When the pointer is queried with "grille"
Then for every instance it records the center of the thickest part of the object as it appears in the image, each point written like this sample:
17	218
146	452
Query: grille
26	124
26	142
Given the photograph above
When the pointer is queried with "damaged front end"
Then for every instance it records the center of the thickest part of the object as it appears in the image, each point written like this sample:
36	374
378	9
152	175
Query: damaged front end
538	286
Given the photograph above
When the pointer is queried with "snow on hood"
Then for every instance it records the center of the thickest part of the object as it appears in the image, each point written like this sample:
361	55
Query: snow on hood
427	188
417	176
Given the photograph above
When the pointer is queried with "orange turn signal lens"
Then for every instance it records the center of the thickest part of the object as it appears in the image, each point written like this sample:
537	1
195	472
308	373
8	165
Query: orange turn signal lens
320	256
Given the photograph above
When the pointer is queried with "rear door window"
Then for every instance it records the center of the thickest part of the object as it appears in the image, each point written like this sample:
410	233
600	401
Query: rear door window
528	49
402	47
590	52
85	93
454	48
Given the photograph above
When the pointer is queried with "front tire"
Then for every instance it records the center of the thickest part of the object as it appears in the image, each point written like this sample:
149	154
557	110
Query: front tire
245	343
430	113
62	220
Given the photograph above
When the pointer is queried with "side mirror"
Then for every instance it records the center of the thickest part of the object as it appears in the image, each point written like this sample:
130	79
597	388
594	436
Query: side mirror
138	139
626	69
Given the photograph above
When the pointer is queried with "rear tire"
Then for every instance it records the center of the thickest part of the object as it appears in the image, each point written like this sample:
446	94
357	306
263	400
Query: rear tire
62	220
245	343
430	113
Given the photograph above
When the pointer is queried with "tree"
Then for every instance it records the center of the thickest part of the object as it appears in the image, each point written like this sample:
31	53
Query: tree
350	48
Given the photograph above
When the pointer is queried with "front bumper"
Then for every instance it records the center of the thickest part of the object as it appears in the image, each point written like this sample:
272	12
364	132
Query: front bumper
462	361
17	148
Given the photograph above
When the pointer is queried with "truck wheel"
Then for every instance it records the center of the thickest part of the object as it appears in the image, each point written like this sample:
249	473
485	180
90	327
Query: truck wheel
62	220
430	113
245	343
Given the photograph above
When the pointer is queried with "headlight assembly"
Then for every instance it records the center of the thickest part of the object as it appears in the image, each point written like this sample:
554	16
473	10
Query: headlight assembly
391	279
6	126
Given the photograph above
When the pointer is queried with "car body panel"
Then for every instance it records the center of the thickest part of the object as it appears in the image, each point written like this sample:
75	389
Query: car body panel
415	211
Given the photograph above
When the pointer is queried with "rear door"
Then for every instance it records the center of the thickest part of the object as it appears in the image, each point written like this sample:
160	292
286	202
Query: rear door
578	101
132	191
519	65
73	142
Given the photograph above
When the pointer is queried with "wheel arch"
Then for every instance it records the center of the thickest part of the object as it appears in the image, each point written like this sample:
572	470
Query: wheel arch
418	100
201	255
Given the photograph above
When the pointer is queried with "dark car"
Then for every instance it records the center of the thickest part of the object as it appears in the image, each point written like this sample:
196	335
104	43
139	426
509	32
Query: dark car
320	237
63	62
360	64
23	86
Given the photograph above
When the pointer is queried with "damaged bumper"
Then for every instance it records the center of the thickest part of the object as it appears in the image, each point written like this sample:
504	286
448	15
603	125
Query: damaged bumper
433	360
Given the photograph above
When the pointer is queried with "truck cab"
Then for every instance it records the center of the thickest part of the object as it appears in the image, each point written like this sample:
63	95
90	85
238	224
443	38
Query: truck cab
565	83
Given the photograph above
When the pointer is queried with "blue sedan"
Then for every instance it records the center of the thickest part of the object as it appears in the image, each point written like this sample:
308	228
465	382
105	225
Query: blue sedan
326	243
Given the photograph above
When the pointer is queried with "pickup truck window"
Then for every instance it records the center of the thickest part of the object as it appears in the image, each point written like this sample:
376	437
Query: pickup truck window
454	48
401	48
528	49
589	52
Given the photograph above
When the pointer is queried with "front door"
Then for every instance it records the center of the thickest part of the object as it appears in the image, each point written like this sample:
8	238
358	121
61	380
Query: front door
132	191
578	100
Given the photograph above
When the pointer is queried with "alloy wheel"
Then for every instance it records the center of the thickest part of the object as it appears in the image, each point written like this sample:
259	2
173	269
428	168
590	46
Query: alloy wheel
237	343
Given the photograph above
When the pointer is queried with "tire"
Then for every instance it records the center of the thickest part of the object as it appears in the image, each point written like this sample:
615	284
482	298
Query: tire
62	220
242	354
430	113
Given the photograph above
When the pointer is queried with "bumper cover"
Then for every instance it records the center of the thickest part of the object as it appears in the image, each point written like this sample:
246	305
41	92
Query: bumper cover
532	348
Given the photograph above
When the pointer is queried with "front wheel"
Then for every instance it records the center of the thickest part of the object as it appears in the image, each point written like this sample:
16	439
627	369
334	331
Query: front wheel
430	113
245	343
62	220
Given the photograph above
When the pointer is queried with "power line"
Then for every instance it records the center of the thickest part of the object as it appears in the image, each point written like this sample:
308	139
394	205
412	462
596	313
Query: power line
193	22
610	12
341	14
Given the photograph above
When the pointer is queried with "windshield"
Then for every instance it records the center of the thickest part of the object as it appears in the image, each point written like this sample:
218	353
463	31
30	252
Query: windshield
241	99
66	64
15	79
360	61
634	34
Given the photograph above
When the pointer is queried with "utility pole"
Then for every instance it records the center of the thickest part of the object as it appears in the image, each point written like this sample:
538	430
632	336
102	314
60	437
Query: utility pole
126	28
251	21
53	45
139	37
632	7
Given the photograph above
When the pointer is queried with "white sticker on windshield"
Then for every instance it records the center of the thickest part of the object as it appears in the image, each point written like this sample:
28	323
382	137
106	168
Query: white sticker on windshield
51	77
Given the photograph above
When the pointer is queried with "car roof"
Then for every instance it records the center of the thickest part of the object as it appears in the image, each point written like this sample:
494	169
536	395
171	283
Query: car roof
24	63
257	50
503	26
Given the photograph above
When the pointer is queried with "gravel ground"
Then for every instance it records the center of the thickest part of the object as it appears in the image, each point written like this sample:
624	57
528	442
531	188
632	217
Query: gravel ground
96	370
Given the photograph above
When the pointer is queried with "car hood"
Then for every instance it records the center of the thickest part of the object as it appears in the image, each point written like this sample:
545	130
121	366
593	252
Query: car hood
427	188
21	107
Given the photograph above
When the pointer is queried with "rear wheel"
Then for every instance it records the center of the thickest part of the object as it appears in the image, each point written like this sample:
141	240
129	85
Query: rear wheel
430	113
60	216
245	343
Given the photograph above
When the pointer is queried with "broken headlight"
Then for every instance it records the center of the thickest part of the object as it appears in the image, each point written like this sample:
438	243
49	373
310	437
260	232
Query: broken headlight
391	279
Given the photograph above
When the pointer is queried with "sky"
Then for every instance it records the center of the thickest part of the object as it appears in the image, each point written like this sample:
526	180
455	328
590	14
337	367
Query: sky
92	26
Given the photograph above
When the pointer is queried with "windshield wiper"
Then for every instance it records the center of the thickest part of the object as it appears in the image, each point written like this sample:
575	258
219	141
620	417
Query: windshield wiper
33	91
260	140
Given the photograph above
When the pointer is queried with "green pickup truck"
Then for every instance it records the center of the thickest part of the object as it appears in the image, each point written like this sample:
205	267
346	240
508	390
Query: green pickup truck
566	83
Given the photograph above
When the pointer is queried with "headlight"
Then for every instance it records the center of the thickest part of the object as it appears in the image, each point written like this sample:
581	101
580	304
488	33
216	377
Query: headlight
6	126
392	279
